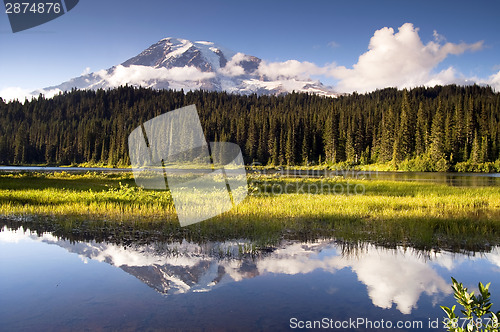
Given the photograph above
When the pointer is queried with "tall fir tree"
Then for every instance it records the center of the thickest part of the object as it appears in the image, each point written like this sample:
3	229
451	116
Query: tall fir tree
421	131
387	135
437	144
330	139
403	142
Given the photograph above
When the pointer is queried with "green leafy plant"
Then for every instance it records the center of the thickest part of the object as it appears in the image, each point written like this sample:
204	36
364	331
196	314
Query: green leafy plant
477	310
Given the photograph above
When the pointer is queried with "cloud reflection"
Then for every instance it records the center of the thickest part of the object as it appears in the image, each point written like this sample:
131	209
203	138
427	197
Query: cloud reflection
392	276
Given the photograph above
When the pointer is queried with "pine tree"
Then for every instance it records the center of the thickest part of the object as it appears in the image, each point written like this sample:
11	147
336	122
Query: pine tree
272	144
449	135
470	127
387	135
458	139
275	155
21	145
484	149
82	126
305	151
475	155
349	148
358	138
402	142
437	148
261	149
251	142
330	140
282	146
290	147
421	131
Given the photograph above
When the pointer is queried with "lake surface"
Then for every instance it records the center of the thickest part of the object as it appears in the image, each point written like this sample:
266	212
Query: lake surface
449	178
453	179
61	169
51	284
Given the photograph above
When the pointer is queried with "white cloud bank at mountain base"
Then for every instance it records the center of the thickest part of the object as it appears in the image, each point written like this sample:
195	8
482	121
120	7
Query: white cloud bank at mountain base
13	93
290	68
142	75
115	77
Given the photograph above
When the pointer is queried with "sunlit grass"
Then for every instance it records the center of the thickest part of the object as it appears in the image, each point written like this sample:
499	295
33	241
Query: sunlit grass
384	212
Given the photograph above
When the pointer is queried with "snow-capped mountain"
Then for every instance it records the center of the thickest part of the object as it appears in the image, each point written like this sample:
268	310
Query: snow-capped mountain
173	63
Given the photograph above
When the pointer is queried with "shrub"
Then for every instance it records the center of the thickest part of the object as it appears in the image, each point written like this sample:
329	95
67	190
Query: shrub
477	310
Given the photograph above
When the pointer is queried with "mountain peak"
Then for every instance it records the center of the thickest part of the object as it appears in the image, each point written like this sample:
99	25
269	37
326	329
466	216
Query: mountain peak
176	52
176	63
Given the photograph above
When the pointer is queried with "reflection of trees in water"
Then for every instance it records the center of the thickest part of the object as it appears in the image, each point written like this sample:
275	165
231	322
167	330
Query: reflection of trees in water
260	240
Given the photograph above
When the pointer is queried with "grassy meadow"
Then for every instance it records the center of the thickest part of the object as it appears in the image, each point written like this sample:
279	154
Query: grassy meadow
110	207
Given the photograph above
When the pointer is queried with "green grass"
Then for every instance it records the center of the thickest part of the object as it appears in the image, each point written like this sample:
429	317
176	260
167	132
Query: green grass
110	207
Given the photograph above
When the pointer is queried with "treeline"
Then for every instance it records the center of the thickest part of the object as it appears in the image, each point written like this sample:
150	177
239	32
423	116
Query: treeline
440	128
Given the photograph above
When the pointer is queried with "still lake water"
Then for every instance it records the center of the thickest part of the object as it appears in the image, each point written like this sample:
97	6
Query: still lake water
47	283
449	178
51	284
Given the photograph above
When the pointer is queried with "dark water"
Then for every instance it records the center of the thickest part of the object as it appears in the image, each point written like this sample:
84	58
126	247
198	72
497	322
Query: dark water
61	169
50	284
453	179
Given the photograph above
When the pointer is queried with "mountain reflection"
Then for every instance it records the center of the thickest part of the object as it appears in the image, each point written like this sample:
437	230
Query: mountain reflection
392	276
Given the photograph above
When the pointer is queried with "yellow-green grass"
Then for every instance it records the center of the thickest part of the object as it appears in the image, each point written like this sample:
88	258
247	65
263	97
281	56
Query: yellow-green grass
110	206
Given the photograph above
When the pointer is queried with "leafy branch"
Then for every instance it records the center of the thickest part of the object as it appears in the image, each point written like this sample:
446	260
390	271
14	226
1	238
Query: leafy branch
476	310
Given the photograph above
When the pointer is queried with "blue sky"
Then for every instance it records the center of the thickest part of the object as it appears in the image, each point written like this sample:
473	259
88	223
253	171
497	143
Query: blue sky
99	34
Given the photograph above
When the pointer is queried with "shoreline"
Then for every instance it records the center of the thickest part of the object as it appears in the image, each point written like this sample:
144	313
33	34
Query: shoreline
287	171
418	214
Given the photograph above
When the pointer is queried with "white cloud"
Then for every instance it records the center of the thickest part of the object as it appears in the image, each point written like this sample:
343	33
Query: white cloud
47	93
394	59
120	75
233	67
144	75
391	276
437	37
86	71
494	256
397	277
446	76
400	59
12	93
494	81
290	68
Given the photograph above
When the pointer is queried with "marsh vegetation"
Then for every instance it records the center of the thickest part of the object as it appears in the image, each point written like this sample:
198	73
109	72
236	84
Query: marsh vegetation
110	207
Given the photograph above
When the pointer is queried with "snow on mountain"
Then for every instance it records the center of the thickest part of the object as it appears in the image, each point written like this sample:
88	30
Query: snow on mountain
174	63
173	52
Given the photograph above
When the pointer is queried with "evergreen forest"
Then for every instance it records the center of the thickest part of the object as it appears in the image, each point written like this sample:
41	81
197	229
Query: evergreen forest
444	128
